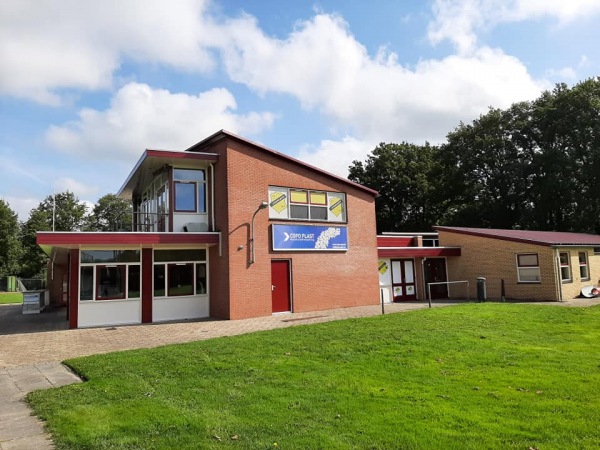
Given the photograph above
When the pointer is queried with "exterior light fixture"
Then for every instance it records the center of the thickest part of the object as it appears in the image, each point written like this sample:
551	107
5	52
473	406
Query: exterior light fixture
263	205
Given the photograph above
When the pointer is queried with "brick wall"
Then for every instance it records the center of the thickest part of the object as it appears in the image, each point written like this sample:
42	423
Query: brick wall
495	259
320	280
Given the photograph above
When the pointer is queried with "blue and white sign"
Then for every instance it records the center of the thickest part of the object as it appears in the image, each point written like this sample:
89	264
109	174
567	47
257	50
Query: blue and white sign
309	238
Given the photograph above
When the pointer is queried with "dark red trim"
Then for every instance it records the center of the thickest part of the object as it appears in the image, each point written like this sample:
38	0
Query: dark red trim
68	239
174	154
394	241
73	288
147	289
216	137
417	252
171	198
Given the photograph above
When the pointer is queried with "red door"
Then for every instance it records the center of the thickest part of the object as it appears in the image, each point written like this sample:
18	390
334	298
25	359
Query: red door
280	285
403	279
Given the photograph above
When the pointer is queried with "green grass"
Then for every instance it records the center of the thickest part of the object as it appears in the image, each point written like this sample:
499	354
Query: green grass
478	376
10	297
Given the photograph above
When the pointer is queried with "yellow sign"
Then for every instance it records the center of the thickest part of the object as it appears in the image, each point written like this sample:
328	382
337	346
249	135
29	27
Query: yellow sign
383	267
336	206
278	201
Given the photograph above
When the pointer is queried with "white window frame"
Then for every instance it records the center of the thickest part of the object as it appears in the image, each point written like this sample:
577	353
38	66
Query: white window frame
566	266
285	198
585	264
165	265
521	267
94	266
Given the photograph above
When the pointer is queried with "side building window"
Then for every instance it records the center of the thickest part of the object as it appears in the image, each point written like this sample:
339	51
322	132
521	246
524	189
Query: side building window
306	204
565	266
528	268
189	190
109	275
584	266
180	272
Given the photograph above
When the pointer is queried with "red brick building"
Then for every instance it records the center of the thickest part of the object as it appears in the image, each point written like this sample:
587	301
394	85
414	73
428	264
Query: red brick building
227	229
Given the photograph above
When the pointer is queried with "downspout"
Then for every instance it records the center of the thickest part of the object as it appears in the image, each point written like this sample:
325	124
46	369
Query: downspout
212	197
425	290
558	273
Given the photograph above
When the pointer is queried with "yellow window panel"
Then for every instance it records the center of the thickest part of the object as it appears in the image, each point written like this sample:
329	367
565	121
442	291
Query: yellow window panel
298	196
318	198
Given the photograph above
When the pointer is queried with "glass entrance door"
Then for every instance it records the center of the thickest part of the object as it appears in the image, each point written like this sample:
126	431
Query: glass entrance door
403	280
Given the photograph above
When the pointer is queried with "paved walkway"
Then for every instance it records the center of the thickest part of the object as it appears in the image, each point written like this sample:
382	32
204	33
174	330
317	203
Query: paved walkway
28	354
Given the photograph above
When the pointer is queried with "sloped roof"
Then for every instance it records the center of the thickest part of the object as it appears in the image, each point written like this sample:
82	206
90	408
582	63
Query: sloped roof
548	238
209	141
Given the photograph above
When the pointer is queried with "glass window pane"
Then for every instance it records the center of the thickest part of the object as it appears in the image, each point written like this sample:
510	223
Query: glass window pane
318	213
318	198
564	259
583	272
86	291
188	174
133	282
408	272
582	258
105	256
110	282
299	196
180	255
181	279
201	279
528	260
396	274
565	273
159	280
298	212
529	274
185	196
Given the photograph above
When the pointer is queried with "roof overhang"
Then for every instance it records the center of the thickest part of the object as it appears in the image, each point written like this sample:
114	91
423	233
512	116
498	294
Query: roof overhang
50	241
152	161
417	252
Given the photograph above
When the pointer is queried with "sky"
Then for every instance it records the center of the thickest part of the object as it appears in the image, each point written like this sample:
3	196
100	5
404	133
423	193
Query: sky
86	86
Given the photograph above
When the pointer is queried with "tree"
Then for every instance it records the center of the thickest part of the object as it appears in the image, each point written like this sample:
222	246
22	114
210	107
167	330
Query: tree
405	177
10	242
110	213
62	212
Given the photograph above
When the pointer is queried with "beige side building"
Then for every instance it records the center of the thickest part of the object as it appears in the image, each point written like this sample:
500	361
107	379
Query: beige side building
531	265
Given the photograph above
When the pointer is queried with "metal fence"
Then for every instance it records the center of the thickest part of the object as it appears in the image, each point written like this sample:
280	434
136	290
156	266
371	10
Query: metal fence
31	284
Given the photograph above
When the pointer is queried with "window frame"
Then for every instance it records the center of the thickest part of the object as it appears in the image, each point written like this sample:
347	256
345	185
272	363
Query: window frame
521	266
199	190
586	264
95	266
565	265
168	264
312	203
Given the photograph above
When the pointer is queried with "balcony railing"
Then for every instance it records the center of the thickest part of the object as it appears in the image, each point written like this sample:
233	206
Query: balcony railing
144	222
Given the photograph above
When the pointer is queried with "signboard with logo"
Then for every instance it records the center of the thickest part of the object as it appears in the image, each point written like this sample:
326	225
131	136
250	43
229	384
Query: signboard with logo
309	238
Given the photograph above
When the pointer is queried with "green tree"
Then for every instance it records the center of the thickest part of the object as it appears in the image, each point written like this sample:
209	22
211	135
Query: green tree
10	241
405	177
61	212
110	213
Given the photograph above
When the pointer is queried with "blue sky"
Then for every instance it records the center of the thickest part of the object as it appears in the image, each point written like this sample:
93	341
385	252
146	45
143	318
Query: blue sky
85	87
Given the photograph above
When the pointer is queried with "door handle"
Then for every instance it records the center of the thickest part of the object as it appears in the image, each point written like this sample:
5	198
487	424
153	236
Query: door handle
272	287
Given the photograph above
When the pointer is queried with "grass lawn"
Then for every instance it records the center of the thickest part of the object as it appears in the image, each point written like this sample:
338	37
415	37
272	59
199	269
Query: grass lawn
10	297
477	376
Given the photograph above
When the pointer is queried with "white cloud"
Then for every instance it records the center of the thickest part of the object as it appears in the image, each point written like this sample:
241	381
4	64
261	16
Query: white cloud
76	187
459	21
142	117
47	45
374	98
22	205
337	156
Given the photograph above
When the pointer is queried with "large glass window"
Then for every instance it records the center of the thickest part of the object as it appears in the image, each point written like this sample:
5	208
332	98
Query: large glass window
565	266
101	280
190	190
584	269
304	204
180	273
528	268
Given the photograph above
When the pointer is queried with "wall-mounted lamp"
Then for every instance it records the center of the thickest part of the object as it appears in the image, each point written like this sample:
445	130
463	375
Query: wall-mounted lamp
263	205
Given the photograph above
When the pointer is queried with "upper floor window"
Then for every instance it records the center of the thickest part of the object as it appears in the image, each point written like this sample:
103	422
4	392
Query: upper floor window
305	204
190	190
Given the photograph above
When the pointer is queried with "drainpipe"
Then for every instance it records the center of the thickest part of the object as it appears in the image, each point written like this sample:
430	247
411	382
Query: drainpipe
212	196
558	273
425	290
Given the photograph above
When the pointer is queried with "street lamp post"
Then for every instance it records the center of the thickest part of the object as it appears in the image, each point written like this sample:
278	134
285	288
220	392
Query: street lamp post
263	205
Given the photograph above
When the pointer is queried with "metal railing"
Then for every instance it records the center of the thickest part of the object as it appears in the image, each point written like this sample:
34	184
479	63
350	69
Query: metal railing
144	222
